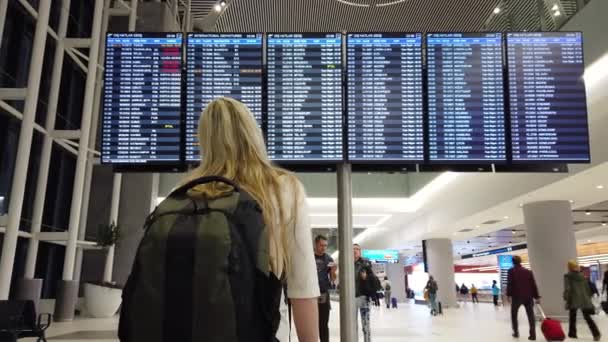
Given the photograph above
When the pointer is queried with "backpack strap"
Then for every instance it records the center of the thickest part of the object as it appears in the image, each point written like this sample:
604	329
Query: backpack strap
204	180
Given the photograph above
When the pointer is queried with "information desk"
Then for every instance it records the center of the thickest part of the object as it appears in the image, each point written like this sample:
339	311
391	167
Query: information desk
385	97
141	118
304	97
547	97
465	98
221	64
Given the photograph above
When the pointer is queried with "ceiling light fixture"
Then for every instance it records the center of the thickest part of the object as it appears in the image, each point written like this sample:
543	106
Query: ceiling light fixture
497	10
217	7
587	213
604	224
506	217
571	201
557	13
223	3
513	231
555	7
599	187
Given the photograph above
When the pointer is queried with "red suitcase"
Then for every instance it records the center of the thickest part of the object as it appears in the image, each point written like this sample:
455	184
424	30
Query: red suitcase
552	329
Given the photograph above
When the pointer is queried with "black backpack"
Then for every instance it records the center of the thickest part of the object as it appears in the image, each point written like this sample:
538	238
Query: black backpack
202	273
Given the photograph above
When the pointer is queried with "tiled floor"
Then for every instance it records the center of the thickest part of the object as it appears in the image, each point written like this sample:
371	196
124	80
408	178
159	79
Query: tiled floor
471	323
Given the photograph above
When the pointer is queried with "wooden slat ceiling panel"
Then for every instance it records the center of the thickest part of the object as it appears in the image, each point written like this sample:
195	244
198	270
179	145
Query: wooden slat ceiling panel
408	16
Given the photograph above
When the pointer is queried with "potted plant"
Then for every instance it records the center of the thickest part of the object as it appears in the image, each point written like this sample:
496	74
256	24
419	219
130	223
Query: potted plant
103	298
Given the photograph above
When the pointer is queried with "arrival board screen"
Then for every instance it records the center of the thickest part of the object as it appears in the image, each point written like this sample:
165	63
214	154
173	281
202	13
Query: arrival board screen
385	103
547	97
142	99
221	64
465	98
304	97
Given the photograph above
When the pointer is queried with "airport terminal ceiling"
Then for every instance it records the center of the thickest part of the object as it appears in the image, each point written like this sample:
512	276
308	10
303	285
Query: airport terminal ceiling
376	15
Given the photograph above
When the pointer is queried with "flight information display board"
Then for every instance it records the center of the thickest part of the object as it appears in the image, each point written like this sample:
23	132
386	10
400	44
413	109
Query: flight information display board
466	98
547	97
221	64
141	119
304	97
385	97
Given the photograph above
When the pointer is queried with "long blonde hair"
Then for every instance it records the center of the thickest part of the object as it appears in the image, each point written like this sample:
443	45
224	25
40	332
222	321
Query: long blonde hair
232	146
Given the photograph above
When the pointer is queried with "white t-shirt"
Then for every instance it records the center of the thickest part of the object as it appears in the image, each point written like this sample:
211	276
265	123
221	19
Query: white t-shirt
302	279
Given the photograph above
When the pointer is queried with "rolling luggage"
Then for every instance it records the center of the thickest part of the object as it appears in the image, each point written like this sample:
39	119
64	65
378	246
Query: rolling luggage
552	329
394	302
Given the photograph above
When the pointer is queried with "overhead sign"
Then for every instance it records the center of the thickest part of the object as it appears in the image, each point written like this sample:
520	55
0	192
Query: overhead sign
381	255
495	251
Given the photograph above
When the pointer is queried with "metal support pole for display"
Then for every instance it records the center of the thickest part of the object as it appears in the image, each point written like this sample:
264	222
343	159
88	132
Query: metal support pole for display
133	16
188	17
47	144
348	309
23	150
87	108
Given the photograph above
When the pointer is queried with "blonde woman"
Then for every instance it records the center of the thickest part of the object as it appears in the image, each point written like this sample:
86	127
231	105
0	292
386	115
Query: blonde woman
232	146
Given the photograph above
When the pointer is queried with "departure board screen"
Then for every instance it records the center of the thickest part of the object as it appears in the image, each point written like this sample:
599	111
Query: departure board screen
221	64
385	97
304	97
465	98
142	99
547	97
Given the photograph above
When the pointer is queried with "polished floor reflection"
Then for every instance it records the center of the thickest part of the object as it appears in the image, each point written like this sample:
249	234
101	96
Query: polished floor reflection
472	323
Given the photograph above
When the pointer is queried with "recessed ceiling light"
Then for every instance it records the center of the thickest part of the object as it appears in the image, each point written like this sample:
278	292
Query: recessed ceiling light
557	13
217	7
599	187
513	231
489	238
477	226
496	10
571	201
587	213
604	224
506	217
555	7
223	3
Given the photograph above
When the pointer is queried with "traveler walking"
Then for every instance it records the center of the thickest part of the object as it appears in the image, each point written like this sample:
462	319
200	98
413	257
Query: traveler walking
387	292
366	286
464	292
522	290
222	241
432	288
326	272
495	292
474	298
577	295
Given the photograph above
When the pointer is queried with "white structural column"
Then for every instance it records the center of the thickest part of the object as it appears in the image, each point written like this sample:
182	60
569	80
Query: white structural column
3	7
68	289
440	259
88	175
109	266
23	150
47	145
81	162
551	244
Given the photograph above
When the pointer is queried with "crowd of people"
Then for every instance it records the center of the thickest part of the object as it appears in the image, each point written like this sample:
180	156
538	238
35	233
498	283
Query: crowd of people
234	150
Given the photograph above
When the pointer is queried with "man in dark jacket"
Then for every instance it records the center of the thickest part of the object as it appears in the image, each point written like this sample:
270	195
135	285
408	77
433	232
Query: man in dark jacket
522	290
